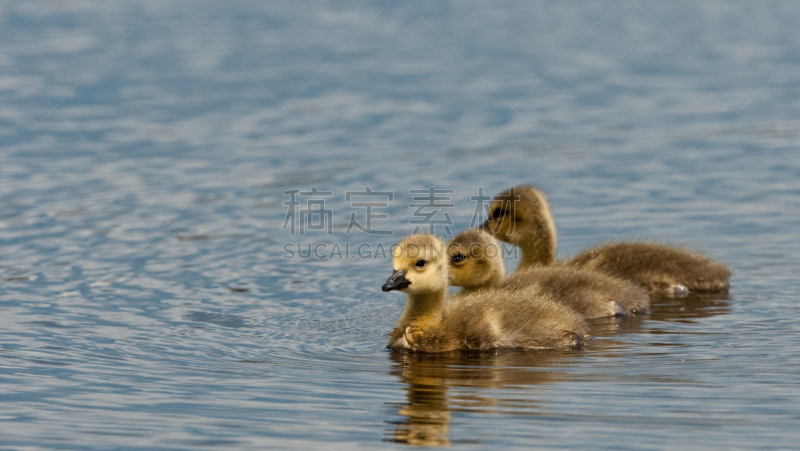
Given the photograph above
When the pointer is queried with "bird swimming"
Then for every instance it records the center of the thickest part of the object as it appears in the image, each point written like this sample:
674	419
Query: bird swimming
476	262
521	215
490	318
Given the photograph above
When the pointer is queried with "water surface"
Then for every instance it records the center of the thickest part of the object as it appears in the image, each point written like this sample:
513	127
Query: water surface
145	152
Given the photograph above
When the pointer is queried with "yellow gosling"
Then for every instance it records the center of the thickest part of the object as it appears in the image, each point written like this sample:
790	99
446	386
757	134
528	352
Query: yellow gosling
491	318
476	262
521	215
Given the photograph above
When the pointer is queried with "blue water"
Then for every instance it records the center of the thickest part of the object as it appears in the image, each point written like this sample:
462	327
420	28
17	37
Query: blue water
146	149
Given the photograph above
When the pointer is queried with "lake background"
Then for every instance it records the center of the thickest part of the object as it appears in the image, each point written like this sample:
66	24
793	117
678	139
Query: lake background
146	153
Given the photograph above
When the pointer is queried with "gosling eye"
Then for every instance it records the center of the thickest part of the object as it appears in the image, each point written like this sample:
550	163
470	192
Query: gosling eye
420	263
458	257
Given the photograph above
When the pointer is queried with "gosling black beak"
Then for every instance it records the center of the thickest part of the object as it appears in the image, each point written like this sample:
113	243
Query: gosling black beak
397	281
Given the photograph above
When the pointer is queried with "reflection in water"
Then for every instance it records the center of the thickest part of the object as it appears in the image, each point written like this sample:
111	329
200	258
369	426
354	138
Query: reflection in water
667	309
430	376
218	319
694	306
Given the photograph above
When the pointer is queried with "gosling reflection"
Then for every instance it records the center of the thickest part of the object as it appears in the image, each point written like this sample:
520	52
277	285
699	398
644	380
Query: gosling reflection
693	306
667	309
609	337
439	384
429	378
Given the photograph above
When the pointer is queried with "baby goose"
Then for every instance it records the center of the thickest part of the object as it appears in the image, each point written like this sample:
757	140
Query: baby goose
658	268
521	216
476	262
484	319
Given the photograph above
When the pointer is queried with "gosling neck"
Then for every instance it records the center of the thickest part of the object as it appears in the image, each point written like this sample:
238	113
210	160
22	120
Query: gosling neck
471	289
423	307
492	280
539	249
539	237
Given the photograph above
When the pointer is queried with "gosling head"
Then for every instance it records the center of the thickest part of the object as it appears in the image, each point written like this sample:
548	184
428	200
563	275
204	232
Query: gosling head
475	259
420	266
521	215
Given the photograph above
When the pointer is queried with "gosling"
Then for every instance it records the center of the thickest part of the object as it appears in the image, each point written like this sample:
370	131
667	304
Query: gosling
521	216
476	262
483	319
